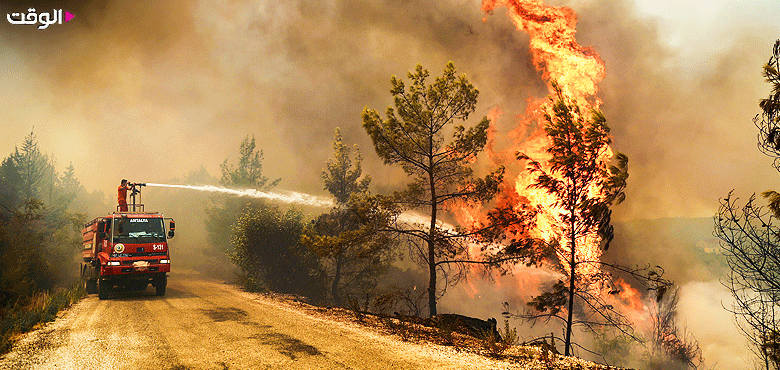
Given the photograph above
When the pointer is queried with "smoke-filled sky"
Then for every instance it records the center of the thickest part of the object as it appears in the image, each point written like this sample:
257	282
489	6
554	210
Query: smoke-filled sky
152	90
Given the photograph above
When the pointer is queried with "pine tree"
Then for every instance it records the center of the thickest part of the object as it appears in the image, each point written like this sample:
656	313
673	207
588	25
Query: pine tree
584	189
413	136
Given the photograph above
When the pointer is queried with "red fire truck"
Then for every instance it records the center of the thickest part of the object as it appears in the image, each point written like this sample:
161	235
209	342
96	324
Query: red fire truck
126	250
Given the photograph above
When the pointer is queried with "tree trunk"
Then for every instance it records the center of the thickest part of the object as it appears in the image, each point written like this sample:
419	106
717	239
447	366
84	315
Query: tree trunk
571	300
334	289
766	358
572	277
432	255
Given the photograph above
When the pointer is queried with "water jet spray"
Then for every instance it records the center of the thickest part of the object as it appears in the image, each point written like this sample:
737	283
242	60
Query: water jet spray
285	197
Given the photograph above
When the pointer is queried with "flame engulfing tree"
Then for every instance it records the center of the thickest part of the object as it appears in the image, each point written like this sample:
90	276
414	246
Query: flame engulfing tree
413	136
750	239
577	176
349	238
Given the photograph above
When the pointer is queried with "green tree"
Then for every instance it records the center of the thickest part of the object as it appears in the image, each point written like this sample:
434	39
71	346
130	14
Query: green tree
584	189
341	176
267	247
414	136
33	167
350	236
38	235
248	173
768	122
750	239
69	184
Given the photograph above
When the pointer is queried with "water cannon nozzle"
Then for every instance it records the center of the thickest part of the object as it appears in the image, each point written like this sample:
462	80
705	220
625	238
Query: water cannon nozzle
136	187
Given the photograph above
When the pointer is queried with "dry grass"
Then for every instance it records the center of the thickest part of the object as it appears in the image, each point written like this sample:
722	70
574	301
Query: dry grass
412	329
41	308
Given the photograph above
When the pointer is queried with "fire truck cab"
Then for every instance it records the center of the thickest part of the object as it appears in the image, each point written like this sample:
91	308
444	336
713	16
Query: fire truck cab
126	250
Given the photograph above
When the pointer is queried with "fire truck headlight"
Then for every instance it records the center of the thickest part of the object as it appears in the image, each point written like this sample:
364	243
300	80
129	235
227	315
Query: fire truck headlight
165	261
112	263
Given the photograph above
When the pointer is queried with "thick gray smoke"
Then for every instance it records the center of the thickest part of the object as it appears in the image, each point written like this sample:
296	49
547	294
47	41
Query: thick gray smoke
149	90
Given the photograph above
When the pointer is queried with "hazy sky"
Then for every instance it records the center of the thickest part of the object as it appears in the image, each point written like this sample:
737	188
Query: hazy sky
150	91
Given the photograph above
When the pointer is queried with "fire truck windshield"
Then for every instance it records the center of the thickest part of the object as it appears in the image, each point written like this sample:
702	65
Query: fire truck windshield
138	230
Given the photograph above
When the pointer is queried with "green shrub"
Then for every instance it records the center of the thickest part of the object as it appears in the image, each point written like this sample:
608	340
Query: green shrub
267	247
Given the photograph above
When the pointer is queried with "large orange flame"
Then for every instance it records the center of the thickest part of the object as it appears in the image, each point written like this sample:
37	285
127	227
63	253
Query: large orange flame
578	71
554	49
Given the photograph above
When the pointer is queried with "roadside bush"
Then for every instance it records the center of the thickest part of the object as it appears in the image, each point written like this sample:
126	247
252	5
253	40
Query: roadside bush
267	247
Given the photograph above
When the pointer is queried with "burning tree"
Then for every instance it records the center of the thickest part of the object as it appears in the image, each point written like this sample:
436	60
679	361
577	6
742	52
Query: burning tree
750	239
583	190
349	237
568	179
414	138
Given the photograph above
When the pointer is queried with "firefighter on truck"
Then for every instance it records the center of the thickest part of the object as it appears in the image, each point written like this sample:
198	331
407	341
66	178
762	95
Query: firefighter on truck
126	249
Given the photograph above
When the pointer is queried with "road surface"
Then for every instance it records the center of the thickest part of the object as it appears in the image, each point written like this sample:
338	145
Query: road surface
202	324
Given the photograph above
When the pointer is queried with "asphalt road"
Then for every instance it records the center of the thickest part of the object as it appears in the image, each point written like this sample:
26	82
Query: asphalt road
201	324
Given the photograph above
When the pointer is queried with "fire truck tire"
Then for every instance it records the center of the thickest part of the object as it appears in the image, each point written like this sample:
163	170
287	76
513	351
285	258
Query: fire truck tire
90	286
160	286
104	288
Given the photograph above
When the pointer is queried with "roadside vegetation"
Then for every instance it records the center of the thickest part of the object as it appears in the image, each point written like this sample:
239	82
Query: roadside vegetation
39	238
39	309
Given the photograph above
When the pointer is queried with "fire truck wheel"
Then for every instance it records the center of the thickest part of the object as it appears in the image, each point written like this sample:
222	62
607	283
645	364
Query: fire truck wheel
160	286
104	287
90	286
